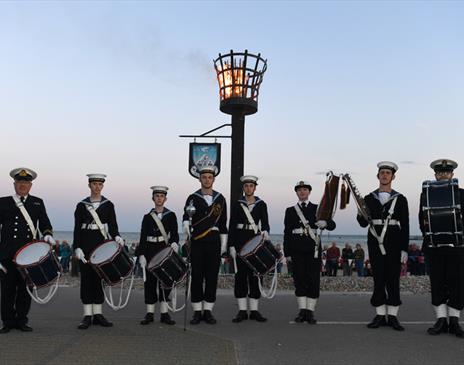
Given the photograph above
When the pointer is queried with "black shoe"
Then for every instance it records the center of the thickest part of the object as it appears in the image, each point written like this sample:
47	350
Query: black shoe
377	322
24	328
196	317
85	323
394	323
440	326
302	316
257	316
241	316
310	317
149	318
166	318
98	319
455	328
208	317
5	329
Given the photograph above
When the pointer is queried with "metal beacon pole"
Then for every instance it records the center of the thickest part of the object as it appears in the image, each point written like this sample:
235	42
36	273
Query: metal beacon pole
190	210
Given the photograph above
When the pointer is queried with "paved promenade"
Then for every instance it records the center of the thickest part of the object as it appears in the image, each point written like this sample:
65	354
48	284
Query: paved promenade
340	337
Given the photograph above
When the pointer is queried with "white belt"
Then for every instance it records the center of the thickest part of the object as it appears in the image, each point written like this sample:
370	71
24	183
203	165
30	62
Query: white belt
215	229
92	227
155	239
302	231
247	227
381	222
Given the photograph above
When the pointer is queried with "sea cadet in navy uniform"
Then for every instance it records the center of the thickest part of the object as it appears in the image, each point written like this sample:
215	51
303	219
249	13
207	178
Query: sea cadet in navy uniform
208	243
87	236
241	230
16	233
299	248
446	265
159	229
389	213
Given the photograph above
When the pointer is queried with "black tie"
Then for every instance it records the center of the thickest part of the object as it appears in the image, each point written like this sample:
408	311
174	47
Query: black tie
22	199
303	205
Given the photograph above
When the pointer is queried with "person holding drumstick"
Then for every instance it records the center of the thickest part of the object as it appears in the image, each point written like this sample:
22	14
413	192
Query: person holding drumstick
248	218
208	242
300	242
446	263
159	229
94	222
21	217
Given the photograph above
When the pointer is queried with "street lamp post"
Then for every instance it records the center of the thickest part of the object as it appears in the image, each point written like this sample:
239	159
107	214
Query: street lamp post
239	76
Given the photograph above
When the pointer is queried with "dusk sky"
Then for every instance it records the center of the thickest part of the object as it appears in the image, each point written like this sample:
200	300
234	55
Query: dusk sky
108	87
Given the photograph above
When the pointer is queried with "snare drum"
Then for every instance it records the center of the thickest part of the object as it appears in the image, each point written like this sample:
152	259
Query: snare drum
111	262
168	267
38	264
442	213
260	255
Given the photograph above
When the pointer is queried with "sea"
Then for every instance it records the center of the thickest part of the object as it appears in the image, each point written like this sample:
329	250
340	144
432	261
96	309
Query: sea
326	239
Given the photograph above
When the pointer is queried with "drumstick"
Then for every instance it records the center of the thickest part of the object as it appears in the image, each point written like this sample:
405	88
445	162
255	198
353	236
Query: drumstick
235	265
144	274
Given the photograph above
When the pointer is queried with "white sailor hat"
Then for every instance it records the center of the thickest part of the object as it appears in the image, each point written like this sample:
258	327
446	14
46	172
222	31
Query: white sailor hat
249	179
303	184
388	165
208	170
443	165
96	177
23	173
160	189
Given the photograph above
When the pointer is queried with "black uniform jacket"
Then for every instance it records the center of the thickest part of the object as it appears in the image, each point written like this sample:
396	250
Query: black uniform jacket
203	210
15	232
397	237
238	237
150	229
88	239
425	244
300	243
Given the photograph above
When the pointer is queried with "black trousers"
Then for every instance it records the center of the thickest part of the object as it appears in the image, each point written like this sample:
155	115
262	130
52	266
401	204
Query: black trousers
246	282
91	286
306	274
386	272
206	259
447	277
15	301
153	290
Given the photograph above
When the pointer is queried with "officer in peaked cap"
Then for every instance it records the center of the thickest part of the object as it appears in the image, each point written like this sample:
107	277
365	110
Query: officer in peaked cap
16	233
446	265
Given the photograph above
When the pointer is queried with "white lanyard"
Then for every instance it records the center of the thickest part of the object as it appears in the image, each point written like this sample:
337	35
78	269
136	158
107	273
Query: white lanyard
251	221
160	226
26	215
97	220
384	229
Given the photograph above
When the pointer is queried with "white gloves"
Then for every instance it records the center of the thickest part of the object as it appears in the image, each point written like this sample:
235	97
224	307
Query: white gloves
404	257
288	259
49	239
321	224
186	226
80	255
265	235
119	240
175	247
223	243
142	261
233	252
3	268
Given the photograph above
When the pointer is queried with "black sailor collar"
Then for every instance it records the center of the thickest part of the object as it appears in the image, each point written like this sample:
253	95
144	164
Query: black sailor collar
243	200
393	194
88	202
163	213
215	194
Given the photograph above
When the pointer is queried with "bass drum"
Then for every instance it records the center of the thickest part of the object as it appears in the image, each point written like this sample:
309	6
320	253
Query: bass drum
442	213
